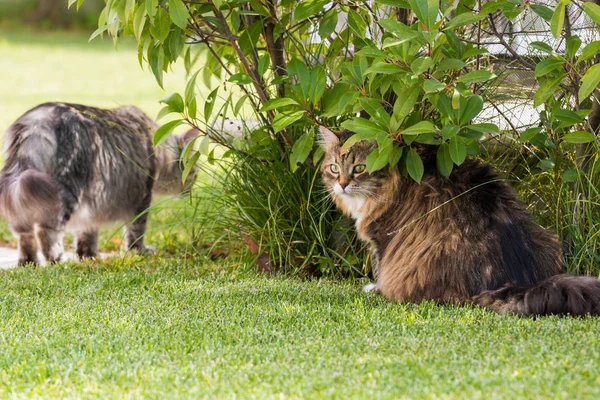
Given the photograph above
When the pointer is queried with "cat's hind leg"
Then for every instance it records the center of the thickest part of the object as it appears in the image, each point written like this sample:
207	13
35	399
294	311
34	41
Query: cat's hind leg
86	245
28	247
50	240
134	233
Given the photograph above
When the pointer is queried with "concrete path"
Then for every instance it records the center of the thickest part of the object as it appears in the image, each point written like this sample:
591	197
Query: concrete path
9	257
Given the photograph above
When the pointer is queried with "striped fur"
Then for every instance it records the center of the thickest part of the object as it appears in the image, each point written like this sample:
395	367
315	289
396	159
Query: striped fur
466	238
78	167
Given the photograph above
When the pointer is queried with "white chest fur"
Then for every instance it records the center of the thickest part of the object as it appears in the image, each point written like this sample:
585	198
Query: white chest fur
353	206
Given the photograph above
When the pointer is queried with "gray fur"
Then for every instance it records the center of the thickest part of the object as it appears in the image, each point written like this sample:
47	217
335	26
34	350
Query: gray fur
70	166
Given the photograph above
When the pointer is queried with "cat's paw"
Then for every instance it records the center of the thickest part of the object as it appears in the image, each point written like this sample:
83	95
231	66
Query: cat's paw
370	288
147	251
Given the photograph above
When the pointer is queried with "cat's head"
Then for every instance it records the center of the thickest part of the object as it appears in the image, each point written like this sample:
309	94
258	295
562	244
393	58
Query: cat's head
345	172
171	165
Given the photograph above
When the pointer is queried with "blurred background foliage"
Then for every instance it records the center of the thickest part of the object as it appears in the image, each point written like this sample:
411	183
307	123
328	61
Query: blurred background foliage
49	14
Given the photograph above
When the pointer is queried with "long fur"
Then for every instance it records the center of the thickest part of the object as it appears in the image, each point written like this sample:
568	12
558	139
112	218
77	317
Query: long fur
79	167
465	238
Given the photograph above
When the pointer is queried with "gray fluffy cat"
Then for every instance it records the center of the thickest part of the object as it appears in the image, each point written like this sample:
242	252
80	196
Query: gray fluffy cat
75	167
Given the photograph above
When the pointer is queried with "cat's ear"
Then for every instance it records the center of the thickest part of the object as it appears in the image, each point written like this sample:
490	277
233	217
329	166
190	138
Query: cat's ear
327	137
189	136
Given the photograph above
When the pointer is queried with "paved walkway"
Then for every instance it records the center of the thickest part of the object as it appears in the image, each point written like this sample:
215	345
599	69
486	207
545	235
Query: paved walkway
9	257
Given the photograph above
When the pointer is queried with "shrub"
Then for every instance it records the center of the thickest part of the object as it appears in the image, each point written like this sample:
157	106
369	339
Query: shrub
393	71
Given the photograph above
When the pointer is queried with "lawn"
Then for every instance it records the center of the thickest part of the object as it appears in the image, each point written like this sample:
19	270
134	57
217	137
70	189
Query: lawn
168	328
190	327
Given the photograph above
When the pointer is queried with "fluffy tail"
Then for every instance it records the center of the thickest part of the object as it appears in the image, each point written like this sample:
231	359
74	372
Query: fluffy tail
557	295
28	197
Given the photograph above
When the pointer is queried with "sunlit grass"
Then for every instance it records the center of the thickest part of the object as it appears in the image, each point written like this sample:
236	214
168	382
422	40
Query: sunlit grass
176	328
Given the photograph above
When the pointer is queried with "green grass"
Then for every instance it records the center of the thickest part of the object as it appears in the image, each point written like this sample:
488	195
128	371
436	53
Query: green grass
132	328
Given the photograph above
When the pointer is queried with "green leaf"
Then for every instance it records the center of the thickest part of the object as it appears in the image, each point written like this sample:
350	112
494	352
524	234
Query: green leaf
466	18
361	125
546	165
240	78
458	150
542	11
541	46
179	13
529	134
433	86
98	31
382	67
308	8
156	58
263	64
164	131
484	128
139	20
174	44
301	150
189	165
569	175
573	44
375	111
151	7
449	131
328	23
285	119
190	88
443	105
192	108
209	104
547	66
161	25
318	81
568	116
274	104
371	51
546	89
394	3
163	111
592	10
357	24
420	127
407	98
426	11
421	64
579	137
469	109
558	19
395	155
443	160
589	82
589	51
397	28
449	64
414	165
476	76
174	102
379	157
357	137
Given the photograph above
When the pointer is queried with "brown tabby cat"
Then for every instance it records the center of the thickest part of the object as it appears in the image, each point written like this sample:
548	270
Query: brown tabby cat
465	238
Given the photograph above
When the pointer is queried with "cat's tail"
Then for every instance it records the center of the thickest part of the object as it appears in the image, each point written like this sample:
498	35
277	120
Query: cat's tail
28	196
557	295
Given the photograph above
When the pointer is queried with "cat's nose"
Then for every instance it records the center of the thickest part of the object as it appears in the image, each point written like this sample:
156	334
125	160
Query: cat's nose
343	184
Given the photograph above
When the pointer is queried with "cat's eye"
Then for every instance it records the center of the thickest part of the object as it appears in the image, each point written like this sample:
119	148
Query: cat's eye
359	169
334	168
